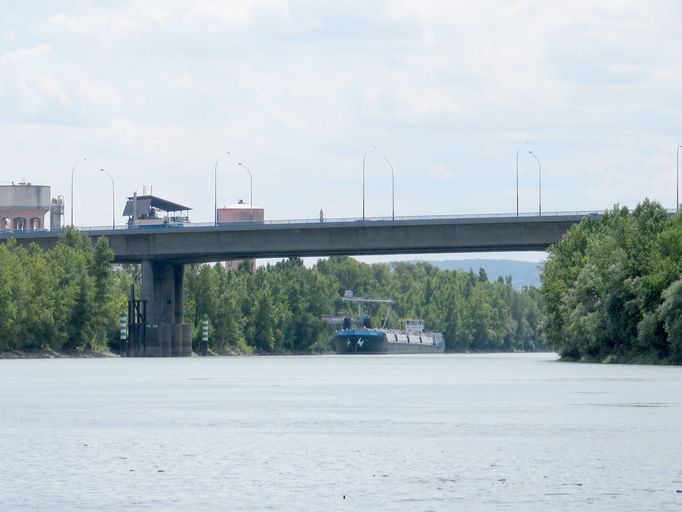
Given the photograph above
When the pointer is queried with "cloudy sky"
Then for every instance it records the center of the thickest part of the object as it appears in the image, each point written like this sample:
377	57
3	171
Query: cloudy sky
154	91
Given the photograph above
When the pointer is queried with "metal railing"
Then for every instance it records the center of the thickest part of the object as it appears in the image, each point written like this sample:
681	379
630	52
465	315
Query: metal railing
157	228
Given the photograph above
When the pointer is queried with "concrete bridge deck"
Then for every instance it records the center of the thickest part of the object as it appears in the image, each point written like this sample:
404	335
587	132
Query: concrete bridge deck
403	235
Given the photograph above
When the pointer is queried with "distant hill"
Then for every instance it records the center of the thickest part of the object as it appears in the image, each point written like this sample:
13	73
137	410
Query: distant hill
523	273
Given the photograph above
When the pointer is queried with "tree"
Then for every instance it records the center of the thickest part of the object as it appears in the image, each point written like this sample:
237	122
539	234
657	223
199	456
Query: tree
65	298
263	324
671	314
608	286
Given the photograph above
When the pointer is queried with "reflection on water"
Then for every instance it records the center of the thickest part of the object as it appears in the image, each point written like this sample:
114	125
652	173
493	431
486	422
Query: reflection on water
428	432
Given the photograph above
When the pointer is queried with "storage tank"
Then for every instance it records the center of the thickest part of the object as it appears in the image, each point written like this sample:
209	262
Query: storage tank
241	212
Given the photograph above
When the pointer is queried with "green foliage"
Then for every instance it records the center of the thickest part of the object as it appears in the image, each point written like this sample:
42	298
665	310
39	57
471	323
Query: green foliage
671	314
279	308
63	299
611	287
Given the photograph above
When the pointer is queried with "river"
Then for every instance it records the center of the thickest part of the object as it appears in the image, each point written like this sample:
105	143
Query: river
410	433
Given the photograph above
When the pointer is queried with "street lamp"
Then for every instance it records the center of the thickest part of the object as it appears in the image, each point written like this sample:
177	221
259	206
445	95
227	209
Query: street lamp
392	189
540	181
364	158
251	189
517	176
215	187
72	171
113	200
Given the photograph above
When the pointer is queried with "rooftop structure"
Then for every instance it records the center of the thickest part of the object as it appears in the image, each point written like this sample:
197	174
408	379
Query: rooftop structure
149	210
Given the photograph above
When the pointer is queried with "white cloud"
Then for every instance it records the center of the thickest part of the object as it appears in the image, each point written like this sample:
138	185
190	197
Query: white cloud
43	50
98	98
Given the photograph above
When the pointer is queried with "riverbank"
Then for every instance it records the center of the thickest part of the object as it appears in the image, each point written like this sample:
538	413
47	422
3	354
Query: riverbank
650	359
46	353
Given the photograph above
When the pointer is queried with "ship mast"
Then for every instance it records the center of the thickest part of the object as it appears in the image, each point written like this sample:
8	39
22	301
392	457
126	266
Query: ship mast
348	297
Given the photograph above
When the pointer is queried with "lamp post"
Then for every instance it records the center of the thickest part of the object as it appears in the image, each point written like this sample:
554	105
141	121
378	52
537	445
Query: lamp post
517	176
677	183
113	199
215	188
364	158
251	189
392	189
72	171
540	182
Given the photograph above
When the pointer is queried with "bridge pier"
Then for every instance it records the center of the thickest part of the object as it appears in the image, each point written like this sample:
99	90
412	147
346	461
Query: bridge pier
162	288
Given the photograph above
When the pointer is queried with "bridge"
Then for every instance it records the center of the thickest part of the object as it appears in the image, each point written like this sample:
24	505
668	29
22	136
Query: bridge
164	250
200	243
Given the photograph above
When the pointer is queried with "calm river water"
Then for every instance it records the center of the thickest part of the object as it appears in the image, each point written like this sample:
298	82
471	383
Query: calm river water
414	433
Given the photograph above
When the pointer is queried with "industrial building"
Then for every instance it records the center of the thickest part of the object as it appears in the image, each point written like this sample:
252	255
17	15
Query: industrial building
240	212
23	206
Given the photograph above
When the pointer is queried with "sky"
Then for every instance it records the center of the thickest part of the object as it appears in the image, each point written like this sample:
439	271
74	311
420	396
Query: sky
157	91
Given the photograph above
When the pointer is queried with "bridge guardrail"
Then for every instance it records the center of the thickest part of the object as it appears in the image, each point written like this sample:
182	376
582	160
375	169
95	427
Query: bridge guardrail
315	221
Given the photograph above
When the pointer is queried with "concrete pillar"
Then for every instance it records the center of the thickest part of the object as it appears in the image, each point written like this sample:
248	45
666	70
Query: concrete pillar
179	293
158	289
147	288
164	292
167	341
153	347
186	340
162	288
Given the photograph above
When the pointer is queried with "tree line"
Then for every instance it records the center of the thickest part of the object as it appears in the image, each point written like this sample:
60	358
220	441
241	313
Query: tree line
280	307
62	299
613	287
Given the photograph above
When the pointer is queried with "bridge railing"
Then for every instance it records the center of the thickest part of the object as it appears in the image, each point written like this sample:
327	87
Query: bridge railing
315	221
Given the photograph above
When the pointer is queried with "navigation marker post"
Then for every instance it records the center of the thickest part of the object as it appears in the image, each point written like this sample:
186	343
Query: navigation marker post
123	339
204	334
